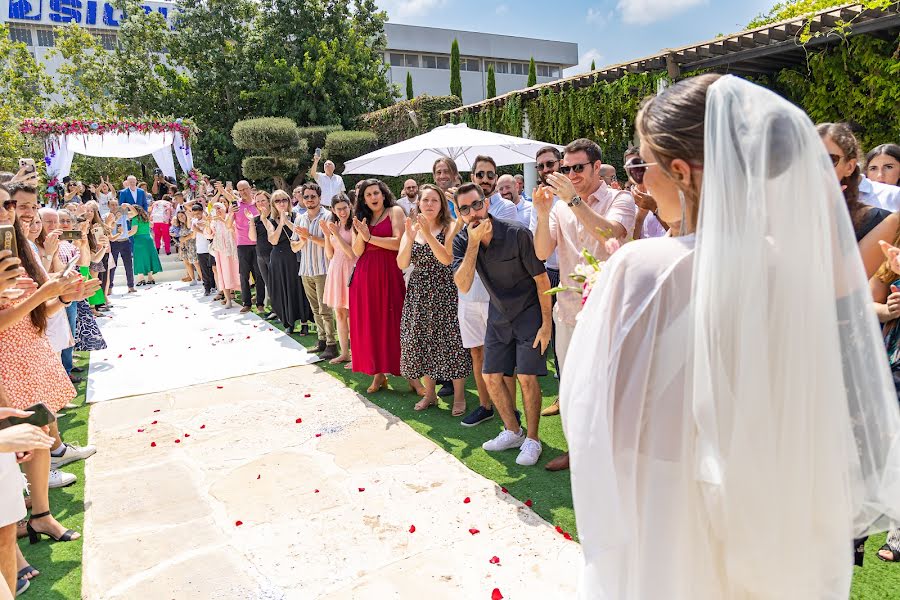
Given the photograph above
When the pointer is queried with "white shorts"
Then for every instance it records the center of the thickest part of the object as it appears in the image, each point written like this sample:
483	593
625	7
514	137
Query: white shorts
473	323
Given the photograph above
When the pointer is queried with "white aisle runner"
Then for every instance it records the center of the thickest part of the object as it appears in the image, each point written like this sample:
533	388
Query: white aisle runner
170	336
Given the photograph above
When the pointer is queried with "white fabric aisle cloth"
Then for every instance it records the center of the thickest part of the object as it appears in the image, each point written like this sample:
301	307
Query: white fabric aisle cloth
170	336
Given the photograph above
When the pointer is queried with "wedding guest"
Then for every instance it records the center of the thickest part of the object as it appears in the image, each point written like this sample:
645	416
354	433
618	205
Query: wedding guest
287	295
221	229
330	183
507	188
339	251
444	173
187	246
376	287
246	247
161	219
146	258
132	194
258	233
484	174
430	343
883	164
119	245
410	198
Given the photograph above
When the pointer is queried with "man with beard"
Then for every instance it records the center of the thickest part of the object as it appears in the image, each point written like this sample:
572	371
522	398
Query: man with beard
409	201
484	175
506	187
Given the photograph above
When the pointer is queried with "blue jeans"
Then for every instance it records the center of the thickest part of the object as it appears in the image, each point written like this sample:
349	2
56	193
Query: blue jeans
66	355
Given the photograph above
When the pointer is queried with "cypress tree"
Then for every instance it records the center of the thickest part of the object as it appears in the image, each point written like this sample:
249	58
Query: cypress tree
491	83
532	73
455	81
593	65
409	87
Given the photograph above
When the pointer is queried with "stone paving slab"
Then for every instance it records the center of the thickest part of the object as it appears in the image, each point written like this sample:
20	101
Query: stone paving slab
160	521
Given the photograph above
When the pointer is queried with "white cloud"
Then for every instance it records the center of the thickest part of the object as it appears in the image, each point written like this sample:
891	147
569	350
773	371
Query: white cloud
502	9
595	16
409	8
644	12
584	63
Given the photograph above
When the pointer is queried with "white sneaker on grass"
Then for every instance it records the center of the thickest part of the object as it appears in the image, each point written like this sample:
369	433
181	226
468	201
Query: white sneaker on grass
71	454
60	479
530	453
506	440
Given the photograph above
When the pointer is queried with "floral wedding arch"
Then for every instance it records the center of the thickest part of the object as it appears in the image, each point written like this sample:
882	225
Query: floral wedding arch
126	138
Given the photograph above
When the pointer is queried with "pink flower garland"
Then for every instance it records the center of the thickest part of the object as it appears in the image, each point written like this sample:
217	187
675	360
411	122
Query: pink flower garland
47	127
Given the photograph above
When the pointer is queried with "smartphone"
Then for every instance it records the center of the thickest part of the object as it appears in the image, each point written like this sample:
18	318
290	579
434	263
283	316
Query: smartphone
27	163
8	239
70	236
318	152
228	185
70	266
42	416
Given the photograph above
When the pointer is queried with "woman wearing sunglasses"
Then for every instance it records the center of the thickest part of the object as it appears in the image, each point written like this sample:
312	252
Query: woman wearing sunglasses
727	393
647	223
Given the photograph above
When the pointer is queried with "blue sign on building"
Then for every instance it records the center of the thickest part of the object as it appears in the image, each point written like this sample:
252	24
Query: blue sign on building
88	13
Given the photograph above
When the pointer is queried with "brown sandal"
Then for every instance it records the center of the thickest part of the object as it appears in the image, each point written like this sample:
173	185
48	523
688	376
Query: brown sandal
459	407
425	403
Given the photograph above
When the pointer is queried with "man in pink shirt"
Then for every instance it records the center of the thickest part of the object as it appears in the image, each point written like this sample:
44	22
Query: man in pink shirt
590	213
247	248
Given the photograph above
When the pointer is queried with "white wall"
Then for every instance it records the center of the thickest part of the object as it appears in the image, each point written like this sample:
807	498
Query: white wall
436	82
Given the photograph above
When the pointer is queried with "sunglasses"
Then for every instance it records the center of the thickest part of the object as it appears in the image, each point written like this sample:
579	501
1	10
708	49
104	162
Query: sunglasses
550	164
281	201
576	168
835	159
637	168
477	205
312	197
486	175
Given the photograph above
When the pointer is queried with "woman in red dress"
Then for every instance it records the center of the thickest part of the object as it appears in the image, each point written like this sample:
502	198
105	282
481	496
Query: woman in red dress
376	285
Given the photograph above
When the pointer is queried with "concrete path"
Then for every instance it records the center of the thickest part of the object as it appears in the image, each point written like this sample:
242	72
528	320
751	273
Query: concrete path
252	504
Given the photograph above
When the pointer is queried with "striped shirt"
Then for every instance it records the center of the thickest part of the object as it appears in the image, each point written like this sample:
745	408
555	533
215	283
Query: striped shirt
312	258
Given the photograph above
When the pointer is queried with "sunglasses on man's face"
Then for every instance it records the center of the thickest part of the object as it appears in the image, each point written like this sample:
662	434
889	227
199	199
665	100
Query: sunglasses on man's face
311	197
476	206
576	168
486	175
546	166
637	168
835	159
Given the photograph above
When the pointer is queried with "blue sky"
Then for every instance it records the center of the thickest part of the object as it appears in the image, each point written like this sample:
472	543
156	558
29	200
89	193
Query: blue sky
608	31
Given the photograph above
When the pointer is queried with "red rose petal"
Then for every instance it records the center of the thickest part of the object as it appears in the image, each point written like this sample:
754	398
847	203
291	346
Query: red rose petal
467	500
362	489
567	535
120	356
219	387
140	431
178	441
248	337
298	420
154	422
496	595
203	427
504	490
132	348
317	491
318	435
238	523
559	530
412	528
258	476
153	444
495	560
157	410
187	435
474	531
528	503
307	395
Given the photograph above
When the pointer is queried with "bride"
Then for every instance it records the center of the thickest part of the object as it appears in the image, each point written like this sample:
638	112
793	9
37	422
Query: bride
731	420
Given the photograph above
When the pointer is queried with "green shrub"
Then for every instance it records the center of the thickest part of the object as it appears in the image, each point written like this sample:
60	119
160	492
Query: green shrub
269	167
394	123
266	133
315	136
341	146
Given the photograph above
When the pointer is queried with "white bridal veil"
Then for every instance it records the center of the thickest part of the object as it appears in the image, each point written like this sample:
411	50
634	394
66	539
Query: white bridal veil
730	413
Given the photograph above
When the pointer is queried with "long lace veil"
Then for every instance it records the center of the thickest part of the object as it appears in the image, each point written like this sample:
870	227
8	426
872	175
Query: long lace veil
795	411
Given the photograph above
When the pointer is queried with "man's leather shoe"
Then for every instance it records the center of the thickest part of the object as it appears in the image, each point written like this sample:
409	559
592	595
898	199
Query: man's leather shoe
551	410
560	463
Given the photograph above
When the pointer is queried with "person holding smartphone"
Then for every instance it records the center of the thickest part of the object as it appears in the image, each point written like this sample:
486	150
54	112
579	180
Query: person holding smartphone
330	182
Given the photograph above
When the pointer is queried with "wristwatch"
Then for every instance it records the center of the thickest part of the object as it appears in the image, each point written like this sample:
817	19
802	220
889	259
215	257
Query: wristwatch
574	201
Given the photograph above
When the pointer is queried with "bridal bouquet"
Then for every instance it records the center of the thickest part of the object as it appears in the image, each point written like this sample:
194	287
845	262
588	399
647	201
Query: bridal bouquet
588	272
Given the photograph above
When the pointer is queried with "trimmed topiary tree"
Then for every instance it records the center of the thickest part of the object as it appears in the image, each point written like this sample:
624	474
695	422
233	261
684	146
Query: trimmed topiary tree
342	146
532	73
455	80
491	82
275	148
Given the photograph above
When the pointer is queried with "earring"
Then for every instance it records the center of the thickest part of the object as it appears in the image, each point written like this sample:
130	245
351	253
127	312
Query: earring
682	226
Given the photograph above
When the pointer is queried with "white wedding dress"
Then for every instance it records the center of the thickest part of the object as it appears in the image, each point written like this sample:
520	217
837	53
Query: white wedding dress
731	420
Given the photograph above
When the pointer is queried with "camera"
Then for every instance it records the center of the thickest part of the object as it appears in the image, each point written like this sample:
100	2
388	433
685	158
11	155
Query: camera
157	171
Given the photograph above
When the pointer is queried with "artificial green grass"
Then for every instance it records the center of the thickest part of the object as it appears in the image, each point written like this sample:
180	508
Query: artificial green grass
60	562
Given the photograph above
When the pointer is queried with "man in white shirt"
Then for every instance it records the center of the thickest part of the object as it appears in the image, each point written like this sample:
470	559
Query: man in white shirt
879	195
330	183
410	198
508	190
484	175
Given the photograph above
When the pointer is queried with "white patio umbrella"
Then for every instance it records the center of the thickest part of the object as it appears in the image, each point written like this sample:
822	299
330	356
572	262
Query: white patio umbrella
459	142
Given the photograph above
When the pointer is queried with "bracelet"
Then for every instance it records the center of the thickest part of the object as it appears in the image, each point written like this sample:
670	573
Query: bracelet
370	238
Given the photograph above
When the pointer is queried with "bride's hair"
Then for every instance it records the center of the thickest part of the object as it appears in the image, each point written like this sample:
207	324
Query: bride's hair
671	125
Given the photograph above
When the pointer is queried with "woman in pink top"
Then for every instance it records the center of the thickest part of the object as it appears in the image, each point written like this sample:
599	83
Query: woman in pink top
224	249
161	216
338	250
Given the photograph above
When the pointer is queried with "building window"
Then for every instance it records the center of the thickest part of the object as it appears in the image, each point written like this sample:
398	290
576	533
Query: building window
20	34
518	68
443	62
469	64
46	38
543	70
398	60
554	72
501	67
412	60
108	41
429	62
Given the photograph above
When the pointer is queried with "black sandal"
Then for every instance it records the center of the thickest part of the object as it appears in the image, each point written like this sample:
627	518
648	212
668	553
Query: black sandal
34	536
895	556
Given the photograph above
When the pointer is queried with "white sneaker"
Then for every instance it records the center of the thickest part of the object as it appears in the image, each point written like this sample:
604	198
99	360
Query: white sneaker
60	479
72	453
506	440
530	453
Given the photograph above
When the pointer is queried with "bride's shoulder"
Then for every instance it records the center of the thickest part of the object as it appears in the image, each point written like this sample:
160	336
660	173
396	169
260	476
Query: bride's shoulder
652	256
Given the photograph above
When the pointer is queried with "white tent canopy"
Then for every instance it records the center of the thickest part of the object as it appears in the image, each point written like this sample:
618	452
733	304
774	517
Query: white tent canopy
60	150
457	142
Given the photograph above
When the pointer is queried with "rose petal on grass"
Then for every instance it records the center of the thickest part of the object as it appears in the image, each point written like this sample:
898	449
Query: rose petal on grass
528	503
559	530
504	490
567	535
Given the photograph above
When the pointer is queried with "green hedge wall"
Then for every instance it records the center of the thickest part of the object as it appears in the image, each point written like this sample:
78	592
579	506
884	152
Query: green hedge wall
394	123
341	146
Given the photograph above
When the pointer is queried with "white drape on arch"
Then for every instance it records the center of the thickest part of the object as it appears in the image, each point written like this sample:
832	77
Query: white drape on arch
60	150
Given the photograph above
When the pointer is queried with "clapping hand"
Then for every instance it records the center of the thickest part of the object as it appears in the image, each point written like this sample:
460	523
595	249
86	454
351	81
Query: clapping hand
561	186
892	254
423	225
411	227
542	199
362	228
248	214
